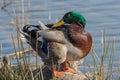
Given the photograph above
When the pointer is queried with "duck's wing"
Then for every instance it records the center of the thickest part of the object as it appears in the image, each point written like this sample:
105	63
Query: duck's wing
53	36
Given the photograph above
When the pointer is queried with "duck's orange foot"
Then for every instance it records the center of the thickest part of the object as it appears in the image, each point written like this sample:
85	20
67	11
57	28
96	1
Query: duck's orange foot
58	74
70	70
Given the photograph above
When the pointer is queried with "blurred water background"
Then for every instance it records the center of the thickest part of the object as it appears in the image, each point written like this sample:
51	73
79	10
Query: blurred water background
101	15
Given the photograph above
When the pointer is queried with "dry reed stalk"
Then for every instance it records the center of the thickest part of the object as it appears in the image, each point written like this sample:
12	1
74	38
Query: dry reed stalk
103	44
1	50
22	1
13	43
19	53
42	77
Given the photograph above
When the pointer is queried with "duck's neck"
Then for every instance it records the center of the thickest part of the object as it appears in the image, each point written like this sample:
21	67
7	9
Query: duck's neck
80	38
75	28
80	26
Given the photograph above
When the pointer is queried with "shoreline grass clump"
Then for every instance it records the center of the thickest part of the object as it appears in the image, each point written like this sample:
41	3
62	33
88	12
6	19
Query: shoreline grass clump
103	67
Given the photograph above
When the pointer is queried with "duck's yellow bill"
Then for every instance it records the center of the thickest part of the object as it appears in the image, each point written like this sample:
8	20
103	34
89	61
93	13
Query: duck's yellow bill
61	22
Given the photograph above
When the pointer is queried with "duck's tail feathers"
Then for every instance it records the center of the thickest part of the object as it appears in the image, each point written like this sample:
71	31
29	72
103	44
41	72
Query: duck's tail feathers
31	30
31	34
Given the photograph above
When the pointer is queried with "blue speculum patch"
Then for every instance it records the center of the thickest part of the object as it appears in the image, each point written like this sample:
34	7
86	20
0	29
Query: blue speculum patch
45	47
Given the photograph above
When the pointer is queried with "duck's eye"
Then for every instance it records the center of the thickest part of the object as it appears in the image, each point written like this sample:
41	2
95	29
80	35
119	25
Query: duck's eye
69	15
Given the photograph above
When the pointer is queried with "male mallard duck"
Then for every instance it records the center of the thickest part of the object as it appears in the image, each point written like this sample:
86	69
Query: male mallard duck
79	41
72	44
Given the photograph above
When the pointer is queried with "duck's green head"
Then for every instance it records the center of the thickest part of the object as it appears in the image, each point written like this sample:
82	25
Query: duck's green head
71	17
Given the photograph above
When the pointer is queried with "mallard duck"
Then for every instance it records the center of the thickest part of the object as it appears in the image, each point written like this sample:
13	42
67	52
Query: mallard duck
71	44
79	41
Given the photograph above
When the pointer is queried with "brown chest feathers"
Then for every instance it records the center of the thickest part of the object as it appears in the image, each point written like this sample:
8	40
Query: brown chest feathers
80	38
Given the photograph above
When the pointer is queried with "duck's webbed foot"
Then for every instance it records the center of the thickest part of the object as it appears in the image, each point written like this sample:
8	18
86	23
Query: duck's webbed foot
67	69
70	70
57	73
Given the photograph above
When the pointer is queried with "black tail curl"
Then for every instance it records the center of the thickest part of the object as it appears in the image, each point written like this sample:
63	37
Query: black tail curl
33	31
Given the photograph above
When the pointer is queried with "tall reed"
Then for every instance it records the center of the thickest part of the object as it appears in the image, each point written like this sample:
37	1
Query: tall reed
108	49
